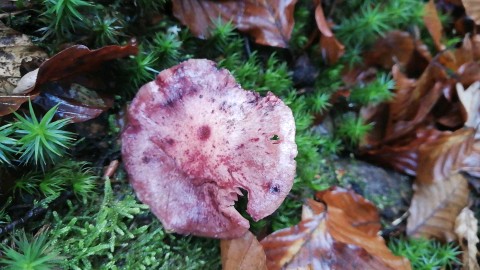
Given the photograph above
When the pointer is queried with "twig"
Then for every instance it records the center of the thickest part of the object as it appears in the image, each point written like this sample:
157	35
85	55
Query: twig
34	213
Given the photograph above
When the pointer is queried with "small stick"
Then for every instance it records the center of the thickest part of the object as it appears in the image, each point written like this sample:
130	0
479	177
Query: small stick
34	213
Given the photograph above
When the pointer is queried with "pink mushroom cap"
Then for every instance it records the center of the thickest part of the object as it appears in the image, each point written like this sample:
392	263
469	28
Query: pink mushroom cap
195	138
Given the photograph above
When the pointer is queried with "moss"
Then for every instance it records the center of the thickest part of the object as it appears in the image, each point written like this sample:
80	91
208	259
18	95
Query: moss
111	229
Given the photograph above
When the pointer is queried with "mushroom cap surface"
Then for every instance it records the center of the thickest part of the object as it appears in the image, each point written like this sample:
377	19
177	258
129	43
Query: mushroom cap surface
195	138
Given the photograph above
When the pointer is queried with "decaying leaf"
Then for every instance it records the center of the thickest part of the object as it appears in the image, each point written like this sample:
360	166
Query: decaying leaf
435	207
470	99
445	156
194	138
269	22
15	49
332	238
331	48
243	253
64	79
433	24
466	228
472	8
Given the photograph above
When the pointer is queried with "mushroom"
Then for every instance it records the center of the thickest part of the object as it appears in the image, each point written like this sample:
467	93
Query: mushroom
195	139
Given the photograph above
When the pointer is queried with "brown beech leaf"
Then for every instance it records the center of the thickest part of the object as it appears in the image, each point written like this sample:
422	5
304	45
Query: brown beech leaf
435	207
472	8
361	213
466	228
412	104
331	48
15	49
402	155
243	253
64	79
433	24
269	22
398	48
328	239
439	159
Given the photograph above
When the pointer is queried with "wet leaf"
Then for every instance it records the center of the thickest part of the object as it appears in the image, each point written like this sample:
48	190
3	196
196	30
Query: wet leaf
331	238
466	228
15	49
58	78
243	253
439	159
472	8
433	24
331	48
269	22
435	207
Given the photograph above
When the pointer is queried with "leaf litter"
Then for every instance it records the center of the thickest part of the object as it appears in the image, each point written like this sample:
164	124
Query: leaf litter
429	129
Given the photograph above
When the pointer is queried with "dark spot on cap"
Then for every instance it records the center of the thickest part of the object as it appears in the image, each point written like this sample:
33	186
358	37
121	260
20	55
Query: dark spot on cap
274	189
145	159
203	132
170	141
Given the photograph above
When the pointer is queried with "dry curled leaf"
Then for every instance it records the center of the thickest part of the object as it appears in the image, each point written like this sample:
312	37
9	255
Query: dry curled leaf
435	207
269	22
331	48
64	78
433	24
466	228
332	238
243	253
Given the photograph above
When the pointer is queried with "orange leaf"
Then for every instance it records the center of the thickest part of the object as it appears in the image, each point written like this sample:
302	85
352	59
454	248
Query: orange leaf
243	253
269	22
435	207
331	48
433	24
361	213
331	239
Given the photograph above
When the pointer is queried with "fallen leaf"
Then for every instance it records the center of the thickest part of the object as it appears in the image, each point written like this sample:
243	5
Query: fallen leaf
402	155
243	253
472	8
466	228
328	239
394	47
15	49
412	104
361	213
331	48
445	156
433	24
59	78
269	22
435	207
470	99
